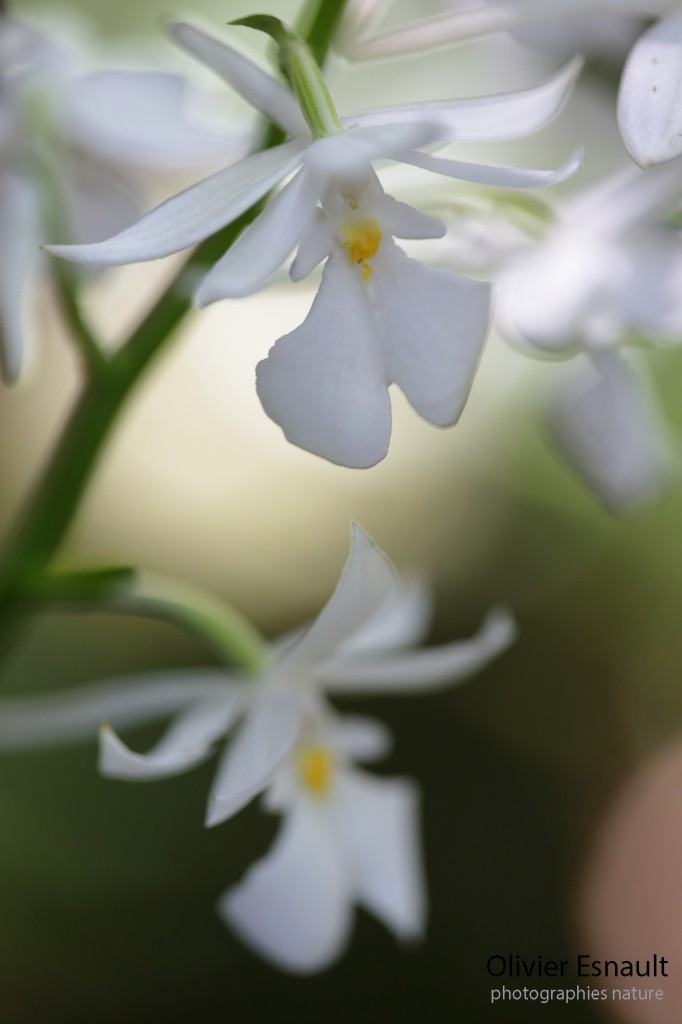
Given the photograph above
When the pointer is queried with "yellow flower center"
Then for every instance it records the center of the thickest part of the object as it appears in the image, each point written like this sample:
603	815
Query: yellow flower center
362	239
316	767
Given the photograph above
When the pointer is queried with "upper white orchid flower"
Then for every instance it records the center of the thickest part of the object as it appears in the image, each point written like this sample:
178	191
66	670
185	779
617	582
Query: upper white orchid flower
609	269
650	95
347	837
113	120
379	318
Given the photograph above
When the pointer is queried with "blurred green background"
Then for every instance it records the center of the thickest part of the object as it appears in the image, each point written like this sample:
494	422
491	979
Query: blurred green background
107	889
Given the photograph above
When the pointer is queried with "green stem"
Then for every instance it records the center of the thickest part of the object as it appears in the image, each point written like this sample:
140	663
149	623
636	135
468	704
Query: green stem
51	508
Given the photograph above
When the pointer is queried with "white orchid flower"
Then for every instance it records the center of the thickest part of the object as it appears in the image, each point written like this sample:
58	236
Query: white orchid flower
379	318
124	120
357	645
610	268
650	95
347	838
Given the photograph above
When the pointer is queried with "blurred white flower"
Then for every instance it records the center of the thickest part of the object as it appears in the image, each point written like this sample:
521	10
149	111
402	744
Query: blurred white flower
82	134
609	269
649	100
347	838
379	318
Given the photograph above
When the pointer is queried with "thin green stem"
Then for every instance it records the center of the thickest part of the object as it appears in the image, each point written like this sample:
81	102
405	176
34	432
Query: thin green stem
52	506
95	359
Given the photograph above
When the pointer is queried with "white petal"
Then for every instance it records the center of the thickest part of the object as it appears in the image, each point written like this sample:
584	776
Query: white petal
360	739
19	255
139	118
651	294
606	426
378	821
367	584
498	177
486	118
77	714
402	221
315	245
194	214
255	755
257	87
399	623
422	671
325	383
293	907
434	323
650	96
188	742
264	246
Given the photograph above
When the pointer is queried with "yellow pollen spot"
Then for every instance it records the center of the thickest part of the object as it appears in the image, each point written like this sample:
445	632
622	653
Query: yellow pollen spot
316	766
362	239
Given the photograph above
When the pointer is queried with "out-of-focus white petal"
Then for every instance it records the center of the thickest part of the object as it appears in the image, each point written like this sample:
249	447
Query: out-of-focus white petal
138	118
294	906
650	96
264	246
378	823
59	718
402	221
325	383
315	245
485	118
194	214
188	742
367	584
400	622
607	428
255	755
19	253
651	293
434	324
425	670
257	87
360	739
498	177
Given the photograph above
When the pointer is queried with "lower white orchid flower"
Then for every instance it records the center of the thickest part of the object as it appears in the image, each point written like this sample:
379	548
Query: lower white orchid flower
347	838
379	317
609	270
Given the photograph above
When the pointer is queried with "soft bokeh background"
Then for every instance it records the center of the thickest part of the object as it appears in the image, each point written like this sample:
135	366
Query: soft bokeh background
107	889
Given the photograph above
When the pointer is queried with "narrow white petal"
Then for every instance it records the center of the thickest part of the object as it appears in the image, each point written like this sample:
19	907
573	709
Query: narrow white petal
378	822
360	739
486	118
188	742
434	323
650	96
263	247
139	118
316	244
367	584
606	426
19	256
255	755
59	718
425	670
325	383
257	87
498	177
294	906
194	214
401	622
